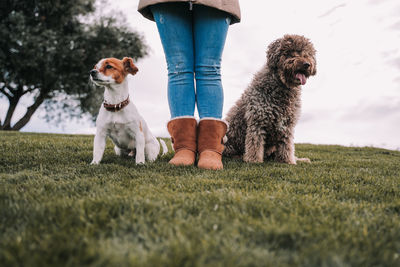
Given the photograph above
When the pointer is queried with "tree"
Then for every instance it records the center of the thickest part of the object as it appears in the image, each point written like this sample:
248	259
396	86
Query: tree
47	50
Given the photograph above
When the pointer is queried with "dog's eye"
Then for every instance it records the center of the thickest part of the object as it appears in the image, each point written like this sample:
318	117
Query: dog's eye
109	67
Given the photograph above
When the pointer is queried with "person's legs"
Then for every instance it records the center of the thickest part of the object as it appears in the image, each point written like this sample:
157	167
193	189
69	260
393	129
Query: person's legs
174	23
210	27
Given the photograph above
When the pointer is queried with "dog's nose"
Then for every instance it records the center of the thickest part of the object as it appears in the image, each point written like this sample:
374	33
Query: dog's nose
93	72
306	65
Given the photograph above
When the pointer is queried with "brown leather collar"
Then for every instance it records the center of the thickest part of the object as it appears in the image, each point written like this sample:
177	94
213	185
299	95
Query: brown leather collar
116	107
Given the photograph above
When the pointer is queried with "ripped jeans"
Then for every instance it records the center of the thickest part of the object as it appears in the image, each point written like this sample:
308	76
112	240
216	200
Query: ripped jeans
193	41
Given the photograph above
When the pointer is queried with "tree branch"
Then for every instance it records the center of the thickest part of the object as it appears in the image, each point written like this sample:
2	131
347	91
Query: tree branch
29	112
3	91
13	102
30	90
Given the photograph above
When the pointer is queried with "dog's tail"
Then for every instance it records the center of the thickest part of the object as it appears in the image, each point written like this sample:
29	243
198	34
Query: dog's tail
164	147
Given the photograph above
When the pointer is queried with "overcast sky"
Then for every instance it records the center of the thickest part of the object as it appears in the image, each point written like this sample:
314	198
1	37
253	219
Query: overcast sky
353	100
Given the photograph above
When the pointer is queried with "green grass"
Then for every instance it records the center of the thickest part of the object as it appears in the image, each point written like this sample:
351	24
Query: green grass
57	210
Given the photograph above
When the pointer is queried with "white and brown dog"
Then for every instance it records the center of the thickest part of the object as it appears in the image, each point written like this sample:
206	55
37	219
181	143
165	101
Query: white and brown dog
118	117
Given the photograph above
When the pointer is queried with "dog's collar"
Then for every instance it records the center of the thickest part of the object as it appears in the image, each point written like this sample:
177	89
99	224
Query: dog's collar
116	107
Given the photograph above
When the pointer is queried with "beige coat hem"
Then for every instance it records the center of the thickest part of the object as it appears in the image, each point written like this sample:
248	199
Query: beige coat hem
230	6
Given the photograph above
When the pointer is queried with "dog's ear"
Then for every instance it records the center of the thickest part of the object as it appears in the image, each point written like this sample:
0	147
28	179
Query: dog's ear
314	68
129	67
273	54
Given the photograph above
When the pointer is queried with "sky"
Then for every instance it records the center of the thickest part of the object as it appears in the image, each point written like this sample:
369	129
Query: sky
354	100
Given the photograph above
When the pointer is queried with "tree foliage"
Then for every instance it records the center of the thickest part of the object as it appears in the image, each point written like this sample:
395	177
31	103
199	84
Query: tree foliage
47	50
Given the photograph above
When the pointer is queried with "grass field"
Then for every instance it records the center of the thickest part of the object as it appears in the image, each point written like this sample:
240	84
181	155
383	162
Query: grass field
57	210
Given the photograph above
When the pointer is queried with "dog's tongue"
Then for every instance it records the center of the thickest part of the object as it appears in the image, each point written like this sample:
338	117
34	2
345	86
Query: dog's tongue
302	78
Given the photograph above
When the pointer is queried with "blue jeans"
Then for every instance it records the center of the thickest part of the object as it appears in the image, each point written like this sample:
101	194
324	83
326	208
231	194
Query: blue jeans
193	41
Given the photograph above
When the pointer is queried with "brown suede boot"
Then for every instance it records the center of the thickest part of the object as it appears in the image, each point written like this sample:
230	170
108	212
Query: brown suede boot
210	143
183	133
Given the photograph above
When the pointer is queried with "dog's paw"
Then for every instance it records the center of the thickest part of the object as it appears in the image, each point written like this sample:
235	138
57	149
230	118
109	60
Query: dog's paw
152	158
139	161
290	162
286	161
140	157
94	162
152	155
305	160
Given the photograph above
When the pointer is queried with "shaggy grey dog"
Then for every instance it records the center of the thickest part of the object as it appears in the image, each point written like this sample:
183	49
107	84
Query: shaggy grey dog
261	124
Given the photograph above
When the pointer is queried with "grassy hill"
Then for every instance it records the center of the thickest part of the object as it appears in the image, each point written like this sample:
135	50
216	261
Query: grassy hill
57	210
